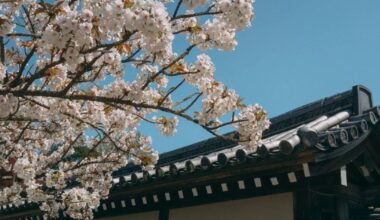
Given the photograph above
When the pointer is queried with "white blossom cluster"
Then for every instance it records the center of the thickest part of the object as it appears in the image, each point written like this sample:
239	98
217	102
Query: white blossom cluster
80	202
2	74
6	15
11	195
6	26
237	13
79	77
167	126
194	3
24	169
255	121
55	179
8	104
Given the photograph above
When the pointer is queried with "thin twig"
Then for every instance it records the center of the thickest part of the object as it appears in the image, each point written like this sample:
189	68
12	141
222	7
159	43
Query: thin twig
170	92
177	8
180	57
2	50
191	103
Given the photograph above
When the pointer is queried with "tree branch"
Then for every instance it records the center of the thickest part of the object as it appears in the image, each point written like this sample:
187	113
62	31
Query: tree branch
110	45
41	73
16	81
191	103
173	89
177	8
2	50
23	35
185	53
108	100
129	58
29	20
207	12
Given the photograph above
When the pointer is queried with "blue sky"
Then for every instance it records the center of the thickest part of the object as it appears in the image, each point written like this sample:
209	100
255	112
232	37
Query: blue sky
294	53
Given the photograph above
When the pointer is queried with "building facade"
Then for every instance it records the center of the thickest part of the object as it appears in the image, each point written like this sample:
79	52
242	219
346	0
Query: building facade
320	161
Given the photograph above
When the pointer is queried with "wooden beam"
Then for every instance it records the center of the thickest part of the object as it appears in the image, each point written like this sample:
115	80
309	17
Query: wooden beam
373	147
343	212
361	171
351	152
272	166
371	195
164	214
24	214
303	204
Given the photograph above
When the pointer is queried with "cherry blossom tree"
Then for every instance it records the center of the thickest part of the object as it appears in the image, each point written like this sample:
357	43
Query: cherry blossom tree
69	110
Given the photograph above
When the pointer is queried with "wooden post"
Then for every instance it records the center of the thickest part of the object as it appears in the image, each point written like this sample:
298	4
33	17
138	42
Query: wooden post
342	209
302	204
164	214
305	208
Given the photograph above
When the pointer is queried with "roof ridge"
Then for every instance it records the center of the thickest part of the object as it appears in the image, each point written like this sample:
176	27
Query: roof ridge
348	100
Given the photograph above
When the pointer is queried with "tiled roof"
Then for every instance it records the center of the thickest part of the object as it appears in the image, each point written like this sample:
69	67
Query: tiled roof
322	126
314	139
325	133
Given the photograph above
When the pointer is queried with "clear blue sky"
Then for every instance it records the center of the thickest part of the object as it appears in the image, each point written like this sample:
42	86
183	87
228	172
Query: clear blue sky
296	52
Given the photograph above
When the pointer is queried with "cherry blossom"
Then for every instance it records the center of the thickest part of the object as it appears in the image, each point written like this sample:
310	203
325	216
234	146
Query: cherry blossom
167	126
79	78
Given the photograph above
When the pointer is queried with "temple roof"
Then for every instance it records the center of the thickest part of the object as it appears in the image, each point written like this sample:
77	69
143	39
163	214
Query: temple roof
322	128
306	146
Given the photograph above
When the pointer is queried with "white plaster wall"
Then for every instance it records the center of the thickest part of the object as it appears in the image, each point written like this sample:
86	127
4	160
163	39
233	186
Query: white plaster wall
273	207
138	216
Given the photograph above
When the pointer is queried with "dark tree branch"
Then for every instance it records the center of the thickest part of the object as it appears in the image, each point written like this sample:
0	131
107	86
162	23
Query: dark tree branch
180	73
41	73
196	15
108	100
88	153
191	103
2	50
207	12
130	57
110	45
29	19
16	81
180	57
173	89
227	123
23	35
22	132
80	73
66	151
182	31
177	8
